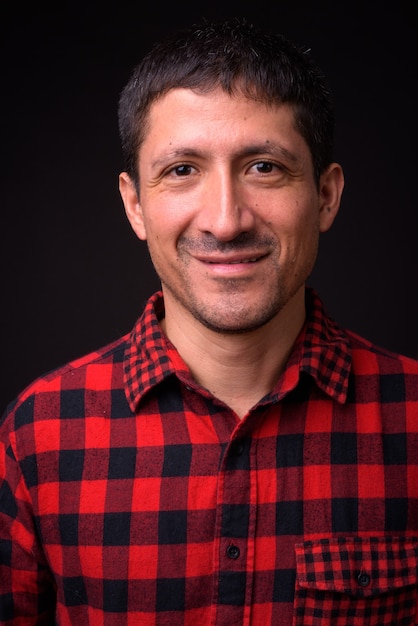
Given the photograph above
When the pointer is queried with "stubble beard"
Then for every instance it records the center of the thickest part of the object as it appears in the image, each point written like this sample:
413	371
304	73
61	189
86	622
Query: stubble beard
231	312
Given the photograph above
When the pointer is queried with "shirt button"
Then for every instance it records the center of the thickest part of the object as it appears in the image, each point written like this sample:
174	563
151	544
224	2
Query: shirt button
233	551
237	448
363	579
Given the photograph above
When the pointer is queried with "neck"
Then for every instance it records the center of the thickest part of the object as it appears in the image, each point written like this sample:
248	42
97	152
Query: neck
241	368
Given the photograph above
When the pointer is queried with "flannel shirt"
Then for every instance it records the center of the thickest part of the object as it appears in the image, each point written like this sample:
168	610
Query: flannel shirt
131	496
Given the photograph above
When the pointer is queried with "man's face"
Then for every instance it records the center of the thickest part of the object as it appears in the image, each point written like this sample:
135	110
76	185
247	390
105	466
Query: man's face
229	207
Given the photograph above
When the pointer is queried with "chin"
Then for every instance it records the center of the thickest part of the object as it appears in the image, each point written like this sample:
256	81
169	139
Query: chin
239	323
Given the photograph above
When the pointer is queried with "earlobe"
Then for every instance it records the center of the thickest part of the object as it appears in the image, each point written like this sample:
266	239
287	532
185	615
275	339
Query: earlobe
132	205
331	189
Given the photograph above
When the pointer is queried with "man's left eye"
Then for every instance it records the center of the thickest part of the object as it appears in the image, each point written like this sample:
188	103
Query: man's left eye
264	167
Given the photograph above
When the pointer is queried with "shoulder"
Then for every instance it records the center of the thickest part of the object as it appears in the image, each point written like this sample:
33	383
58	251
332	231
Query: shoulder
96	370
383	376
370	357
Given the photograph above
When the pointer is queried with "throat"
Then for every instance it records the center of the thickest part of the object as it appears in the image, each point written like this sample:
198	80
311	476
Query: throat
241	381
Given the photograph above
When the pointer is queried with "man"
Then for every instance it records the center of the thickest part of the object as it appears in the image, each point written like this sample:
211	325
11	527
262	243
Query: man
238	458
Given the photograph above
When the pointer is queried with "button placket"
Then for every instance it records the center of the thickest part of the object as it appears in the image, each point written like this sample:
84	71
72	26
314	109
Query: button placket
236	530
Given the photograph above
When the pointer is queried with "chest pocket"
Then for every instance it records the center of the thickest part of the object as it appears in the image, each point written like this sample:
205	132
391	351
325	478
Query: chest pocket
350	581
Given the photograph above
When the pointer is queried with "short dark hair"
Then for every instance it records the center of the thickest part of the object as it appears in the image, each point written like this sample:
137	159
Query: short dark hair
238	57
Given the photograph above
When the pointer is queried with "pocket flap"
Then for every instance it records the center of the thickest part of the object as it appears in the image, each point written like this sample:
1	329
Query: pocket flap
358	566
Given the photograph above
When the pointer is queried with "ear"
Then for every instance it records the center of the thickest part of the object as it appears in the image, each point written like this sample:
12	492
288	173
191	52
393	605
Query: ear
331	187
132	205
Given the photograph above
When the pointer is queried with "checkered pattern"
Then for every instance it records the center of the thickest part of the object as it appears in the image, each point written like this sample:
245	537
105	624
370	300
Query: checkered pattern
129	495
372	580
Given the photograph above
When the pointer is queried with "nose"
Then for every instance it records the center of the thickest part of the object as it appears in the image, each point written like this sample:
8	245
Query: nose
225	212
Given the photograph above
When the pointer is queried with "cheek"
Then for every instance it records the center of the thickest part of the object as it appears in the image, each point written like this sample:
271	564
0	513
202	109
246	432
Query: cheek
300	239
307	251
162	237
166	220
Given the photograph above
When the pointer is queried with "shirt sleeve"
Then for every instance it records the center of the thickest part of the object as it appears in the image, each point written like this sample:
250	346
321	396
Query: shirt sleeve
27	590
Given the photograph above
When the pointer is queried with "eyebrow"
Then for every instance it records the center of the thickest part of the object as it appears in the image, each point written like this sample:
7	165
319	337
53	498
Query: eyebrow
268	147
179	153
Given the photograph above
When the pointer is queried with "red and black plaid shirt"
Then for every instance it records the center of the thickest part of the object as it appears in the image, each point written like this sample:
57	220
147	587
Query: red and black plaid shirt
131	496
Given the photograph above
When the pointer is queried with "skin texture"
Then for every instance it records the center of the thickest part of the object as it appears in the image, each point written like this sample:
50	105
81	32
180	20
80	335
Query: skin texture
232	216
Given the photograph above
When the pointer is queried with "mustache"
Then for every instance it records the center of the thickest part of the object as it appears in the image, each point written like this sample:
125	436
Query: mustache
208	243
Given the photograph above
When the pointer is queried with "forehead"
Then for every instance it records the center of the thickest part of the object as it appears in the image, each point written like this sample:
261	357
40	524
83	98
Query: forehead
204	100
216	116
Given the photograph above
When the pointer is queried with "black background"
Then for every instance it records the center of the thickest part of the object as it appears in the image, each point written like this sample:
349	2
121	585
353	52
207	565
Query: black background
73	274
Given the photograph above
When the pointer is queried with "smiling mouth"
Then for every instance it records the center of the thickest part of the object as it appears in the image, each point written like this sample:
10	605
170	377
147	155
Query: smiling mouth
234	262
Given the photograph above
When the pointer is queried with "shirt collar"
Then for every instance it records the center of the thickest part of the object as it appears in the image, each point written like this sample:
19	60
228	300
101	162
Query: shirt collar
322	351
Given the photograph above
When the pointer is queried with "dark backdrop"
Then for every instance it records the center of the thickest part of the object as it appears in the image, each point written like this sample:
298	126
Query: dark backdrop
73	274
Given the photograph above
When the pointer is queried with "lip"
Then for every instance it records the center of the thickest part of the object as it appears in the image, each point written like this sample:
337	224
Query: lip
232	259
228	265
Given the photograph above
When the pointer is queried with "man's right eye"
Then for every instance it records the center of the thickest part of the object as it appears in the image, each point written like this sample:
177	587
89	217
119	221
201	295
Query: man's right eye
181	170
